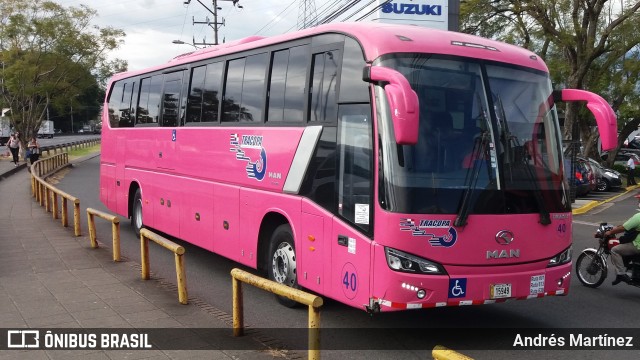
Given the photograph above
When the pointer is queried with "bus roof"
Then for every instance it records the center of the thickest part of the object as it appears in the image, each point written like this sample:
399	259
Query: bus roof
378	39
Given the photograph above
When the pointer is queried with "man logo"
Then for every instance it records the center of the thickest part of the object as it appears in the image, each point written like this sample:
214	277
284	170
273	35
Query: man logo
504	237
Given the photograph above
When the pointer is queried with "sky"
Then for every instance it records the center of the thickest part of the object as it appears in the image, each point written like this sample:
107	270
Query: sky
152	25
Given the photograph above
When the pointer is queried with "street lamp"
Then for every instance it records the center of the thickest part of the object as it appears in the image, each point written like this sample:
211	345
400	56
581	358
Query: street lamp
180	42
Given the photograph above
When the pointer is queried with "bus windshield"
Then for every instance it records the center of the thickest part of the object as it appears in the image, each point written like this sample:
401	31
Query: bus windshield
489	140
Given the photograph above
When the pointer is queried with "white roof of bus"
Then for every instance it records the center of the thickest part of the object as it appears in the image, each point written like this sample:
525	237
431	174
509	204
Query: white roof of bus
378	39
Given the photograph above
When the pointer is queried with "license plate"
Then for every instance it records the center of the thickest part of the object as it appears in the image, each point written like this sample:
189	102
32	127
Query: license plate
499	291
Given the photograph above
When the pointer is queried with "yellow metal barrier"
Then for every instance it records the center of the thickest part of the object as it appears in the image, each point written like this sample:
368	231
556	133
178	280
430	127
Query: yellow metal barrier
442	353
145	236
312	301
115	230
47	194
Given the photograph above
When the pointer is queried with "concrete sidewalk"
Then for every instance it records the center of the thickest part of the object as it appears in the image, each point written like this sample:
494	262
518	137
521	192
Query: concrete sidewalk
50	279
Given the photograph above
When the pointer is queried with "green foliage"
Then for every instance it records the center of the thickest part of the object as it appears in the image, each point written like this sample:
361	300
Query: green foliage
51	58
620	168
587	44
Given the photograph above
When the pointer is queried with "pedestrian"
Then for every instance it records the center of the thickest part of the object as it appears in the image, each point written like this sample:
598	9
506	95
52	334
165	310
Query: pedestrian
631	167
14	146
34	150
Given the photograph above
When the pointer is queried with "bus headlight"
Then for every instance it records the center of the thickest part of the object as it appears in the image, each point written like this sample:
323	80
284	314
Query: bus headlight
401	261
562	258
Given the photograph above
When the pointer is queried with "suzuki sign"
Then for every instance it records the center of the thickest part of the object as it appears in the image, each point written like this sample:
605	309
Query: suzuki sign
429	13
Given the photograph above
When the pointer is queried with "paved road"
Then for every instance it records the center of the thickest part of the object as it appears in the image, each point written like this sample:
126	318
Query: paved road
606	308
52	280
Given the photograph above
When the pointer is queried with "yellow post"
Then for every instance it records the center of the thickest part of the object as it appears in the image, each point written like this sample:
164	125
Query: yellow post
238	311
65	217
442	353
41	193
92	229
115	230
145	236
47	195
54	204
144	256
182	279
76	217
314	303
314	333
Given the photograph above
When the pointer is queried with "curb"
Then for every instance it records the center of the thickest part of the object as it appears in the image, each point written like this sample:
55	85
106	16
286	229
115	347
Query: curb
13	171
590	205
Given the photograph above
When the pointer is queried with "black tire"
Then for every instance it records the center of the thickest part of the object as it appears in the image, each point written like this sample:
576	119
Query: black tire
591	268
281	261
602	185
136	213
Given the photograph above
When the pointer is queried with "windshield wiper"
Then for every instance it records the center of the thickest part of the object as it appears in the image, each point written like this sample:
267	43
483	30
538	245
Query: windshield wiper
478	156
511	142
544	214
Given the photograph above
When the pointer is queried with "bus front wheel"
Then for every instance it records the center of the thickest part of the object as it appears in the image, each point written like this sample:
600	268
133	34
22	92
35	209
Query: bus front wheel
282	261
136	214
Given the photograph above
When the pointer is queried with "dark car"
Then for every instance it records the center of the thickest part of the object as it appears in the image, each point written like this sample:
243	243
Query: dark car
607	179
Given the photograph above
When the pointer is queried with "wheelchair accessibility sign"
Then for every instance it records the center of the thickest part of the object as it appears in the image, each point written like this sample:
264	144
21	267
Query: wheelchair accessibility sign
457	288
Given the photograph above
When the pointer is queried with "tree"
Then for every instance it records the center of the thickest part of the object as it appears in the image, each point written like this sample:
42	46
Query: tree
588	44
49	54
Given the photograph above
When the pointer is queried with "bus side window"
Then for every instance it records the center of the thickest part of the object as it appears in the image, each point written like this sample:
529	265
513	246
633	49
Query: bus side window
287	84
355	165
171	99
323	91
115	98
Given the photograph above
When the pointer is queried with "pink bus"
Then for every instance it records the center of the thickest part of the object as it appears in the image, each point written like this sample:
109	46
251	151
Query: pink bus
386	167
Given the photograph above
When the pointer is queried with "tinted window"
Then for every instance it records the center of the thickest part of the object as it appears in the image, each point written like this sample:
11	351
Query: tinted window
115	98
355	156
233	91
352	87
280	62
194	107
126	112
155	91
288	75
323	91
171	99
296	80
143	111
253	88
149	105
211	96
320	180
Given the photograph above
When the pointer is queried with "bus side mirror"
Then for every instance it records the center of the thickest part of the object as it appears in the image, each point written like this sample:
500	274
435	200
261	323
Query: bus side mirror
403	102
601	110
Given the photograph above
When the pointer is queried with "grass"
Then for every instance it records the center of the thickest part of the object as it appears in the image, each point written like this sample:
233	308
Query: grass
85	151
78	153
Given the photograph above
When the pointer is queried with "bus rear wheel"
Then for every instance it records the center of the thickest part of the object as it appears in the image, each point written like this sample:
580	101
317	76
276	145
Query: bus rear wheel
136	213
281	262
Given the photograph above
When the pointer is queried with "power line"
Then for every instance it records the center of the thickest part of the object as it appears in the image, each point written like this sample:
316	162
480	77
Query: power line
275	19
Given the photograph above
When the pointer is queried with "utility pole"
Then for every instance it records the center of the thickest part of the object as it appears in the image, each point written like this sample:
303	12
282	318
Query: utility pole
307	16
215	25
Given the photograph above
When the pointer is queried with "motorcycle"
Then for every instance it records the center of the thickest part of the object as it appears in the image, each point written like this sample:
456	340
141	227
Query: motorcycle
591	265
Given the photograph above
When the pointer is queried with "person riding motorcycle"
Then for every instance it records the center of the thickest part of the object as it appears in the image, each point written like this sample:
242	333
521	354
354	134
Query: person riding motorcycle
627	249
